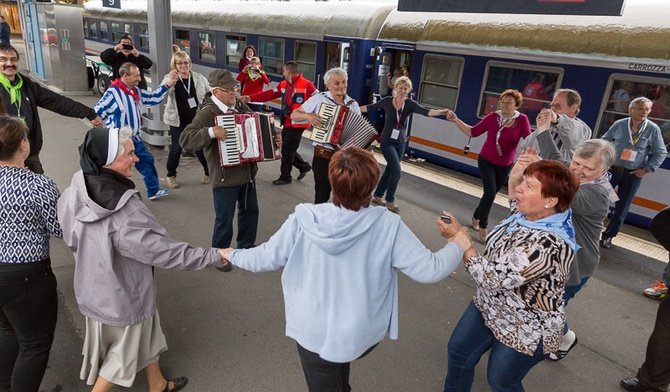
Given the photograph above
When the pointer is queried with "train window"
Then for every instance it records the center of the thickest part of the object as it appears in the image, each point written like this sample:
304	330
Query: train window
104	31
93	27
536	84
87	29
207	46
235	44
622	89
117	33
440	81
271	53
144	35
305	56
182	38
129	29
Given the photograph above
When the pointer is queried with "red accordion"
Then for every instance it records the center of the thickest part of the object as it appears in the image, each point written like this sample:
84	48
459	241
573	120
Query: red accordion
250	137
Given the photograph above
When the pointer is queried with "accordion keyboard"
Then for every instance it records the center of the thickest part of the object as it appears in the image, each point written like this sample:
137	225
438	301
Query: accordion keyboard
327	113
229	147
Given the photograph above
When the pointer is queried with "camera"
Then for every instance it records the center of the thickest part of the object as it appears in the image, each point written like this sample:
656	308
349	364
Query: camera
466	149
127	47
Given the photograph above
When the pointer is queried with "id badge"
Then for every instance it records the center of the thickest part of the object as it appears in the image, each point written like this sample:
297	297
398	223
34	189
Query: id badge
628	155
192	103
395	133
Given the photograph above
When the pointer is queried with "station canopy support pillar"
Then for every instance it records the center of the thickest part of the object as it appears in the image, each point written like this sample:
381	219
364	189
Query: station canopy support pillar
159	18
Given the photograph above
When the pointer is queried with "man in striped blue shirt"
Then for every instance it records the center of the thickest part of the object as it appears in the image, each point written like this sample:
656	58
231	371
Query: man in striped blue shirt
122	104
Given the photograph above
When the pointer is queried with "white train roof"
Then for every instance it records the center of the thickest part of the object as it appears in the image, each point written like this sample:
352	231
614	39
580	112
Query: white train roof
643	31
360	19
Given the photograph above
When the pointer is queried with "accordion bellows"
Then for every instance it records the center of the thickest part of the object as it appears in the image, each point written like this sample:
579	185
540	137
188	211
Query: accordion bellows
343	128
250	137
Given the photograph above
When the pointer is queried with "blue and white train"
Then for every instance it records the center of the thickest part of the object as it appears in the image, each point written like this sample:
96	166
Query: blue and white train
456	60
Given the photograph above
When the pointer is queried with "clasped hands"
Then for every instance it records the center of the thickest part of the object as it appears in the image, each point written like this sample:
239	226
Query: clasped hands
454	232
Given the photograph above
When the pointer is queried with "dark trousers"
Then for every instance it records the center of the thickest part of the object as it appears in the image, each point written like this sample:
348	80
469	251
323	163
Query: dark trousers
627	184
658	227
325	376
290	157
225	200
493	178
322	186
175	153
28	313
655	371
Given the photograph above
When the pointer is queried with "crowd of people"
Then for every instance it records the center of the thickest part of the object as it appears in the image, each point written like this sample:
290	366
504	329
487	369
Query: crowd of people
340	292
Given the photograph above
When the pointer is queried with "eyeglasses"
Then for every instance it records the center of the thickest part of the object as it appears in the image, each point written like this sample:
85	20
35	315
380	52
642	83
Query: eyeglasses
9	59
227	91
556	106
183	63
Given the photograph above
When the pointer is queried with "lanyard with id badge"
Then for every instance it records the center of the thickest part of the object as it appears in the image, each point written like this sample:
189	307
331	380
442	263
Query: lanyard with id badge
396	131
191	100
629	154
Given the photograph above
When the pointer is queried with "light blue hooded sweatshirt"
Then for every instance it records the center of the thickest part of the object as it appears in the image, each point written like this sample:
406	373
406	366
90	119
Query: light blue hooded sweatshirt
340	282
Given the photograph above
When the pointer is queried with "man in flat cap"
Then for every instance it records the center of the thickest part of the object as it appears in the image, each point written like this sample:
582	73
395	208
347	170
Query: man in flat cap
230	185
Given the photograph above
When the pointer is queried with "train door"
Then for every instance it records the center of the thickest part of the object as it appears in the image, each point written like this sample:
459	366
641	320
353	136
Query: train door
390	64
337	55
389	60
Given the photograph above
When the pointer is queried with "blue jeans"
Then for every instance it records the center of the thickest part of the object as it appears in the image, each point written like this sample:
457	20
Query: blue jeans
175	153
225	199
469	341
628	186
493	178
28	313
388	182
568	294
146	166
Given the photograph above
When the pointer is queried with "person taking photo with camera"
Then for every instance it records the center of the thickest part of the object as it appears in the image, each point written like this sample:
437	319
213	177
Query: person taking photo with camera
126	52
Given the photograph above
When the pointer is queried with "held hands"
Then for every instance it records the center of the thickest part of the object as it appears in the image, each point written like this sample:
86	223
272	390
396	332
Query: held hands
97	122
225	255
544	120
454	232
244	98
174	76
219	132
451	116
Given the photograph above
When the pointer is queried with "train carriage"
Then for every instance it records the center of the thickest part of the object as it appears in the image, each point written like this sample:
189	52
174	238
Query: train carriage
464	61
317	35
456	60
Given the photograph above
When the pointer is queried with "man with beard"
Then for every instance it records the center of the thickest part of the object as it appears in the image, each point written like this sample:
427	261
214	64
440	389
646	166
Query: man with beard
22	97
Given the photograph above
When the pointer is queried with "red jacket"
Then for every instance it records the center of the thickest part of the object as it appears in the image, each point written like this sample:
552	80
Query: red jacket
252	86
295	94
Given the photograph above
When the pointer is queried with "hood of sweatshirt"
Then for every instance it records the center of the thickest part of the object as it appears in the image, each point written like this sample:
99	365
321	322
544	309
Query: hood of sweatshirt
334	229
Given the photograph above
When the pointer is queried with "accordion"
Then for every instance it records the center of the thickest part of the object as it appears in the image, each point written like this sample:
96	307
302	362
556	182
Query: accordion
250	137
343	128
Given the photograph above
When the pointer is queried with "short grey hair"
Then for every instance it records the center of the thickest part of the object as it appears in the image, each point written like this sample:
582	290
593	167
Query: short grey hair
335	71
597	147
639	101
125	134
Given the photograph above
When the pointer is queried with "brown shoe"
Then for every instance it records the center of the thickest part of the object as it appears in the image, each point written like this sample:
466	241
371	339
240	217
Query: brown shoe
172	182
205	180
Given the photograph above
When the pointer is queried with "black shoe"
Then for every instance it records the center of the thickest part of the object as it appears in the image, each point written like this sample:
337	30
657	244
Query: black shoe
303	173
280	181
606	242
633	384
226	267
179	383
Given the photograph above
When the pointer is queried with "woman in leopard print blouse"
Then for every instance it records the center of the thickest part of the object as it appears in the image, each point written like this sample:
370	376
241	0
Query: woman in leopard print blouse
517	312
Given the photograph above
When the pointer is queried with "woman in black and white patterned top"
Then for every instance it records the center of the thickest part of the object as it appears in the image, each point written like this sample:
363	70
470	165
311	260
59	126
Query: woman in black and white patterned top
517	312
28	298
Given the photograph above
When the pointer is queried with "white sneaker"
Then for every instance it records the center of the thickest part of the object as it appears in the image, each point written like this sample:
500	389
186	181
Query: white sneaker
160	193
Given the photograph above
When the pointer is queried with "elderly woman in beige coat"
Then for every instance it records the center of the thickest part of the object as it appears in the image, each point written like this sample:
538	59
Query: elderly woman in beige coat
182	101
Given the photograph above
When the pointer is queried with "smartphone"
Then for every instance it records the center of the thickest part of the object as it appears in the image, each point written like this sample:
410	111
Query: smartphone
127	47
446	219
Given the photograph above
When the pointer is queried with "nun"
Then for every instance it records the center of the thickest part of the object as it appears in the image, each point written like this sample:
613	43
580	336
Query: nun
116	243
